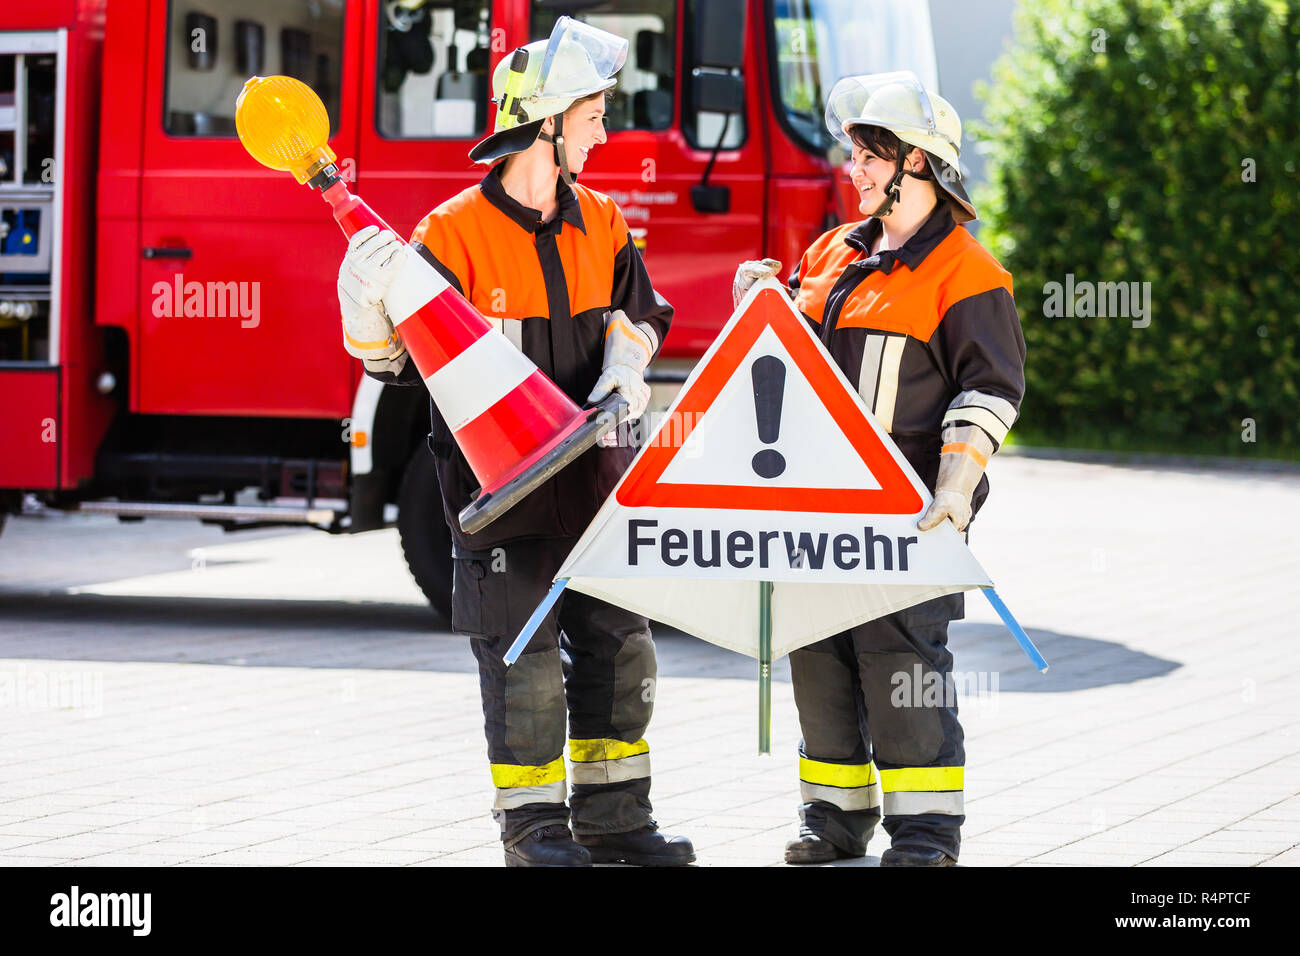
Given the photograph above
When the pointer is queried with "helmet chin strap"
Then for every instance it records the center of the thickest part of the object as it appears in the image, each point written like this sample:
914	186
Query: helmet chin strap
557	146
893	191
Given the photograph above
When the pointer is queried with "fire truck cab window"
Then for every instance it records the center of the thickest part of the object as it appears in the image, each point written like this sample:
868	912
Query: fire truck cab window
433	69
818	41
644	96
212	48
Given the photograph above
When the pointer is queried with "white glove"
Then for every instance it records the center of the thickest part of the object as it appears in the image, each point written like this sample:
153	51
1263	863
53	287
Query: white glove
628	349
749	272
965	455
373	259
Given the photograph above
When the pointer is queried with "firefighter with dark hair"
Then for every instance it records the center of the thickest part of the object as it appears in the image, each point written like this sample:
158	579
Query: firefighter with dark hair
551	263
921	319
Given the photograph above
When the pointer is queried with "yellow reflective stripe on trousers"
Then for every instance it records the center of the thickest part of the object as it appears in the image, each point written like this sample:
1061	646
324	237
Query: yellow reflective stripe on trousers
923	778
912	790
604	760
507	775
847	786
837	774
604	748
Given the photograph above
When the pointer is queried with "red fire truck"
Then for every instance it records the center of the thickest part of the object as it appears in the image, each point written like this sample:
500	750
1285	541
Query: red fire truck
169	332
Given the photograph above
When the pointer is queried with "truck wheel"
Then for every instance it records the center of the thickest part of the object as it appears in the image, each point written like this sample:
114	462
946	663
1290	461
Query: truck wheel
426	542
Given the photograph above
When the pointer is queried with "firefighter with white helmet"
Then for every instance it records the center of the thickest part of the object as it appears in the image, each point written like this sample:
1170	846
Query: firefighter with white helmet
552	264
921	318
899	104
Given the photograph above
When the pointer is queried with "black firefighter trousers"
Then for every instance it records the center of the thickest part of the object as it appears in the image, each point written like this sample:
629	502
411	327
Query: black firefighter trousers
592	659
878	712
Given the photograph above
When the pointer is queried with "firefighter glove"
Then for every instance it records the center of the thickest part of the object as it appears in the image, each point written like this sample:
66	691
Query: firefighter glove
749	272
628	350
373	259
965	455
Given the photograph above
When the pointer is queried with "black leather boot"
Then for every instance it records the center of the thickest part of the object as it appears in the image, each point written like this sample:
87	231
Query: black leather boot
644	847
914	855
812	848
549	846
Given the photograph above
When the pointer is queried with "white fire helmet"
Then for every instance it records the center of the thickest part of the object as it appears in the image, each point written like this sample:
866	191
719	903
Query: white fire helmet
899	103
545	78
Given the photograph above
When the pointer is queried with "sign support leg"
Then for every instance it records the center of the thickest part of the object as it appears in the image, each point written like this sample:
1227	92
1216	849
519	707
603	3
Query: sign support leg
1016	630
765	667
535	621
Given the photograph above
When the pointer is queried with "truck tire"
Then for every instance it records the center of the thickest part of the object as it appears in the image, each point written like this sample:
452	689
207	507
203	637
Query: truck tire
426	542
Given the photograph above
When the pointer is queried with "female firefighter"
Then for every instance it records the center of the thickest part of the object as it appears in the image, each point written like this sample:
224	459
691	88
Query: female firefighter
552	264
917	314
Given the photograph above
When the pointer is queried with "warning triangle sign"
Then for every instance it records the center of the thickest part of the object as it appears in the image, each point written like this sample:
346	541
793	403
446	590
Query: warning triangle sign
769	510
768	423
768	472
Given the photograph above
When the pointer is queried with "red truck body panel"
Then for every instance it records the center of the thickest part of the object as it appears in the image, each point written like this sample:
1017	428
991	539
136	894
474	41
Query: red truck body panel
36	455
151	220
31	449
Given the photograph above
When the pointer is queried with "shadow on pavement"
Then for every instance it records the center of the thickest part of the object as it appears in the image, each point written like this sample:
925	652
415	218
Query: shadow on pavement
258	633
1076	663
208	614
981	652
277	633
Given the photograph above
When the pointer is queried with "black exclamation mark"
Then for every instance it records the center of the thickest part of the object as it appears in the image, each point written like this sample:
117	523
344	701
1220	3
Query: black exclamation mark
769	389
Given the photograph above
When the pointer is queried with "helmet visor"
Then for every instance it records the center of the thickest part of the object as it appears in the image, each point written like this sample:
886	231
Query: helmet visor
896	101
572	45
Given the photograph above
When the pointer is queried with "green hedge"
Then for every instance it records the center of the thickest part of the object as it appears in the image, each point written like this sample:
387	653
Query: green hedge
1126	165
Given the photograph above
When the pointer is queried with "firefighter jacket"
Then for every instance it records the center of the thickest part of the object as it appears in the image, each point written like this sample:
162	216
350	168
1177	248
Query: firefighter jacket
547	287
928	332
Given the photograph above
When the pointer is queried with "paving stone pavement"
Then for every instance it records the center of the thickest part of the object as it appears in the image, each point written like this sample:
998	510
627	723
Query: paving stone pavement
171	695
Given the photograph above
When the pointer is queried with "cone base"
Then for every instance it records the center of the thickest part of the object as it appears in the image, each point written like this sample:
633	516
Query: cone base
495	501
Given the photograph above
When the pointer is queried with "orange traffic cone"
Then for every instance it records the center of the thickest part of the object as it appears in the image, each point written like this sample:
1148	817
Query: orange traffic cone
514	425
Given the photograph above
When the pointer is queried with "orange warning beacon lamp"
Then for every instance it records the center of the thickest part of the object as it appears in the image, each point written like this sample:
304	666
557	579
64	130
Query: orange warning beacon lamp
514	425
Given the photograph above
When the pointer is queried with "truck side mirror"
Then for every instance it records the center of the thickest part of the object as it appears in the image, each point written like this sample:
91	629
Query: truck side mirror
720	34
716	86
717	92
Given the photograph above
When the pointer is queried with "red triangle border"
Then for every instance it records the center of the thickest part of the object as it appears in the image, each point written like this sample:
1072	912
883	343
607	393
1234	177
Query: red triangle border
641	487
